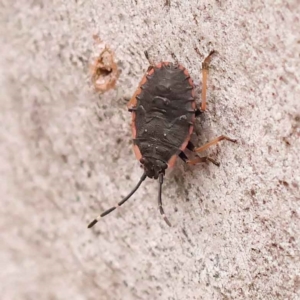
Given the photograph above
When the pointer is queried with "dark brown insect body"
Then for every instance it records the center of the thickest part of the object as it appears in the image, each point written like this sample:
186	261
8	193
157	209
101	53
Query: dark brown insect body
163	117
163	114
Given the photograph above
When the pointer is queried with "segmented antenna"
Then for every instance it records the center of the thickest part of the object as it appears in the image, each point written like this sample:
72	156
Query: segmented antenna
119	204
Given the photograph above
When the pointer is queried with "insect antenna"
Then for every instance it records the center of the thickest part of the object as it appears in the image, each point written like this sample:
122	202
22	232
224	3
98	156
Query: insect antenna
161	210
119	204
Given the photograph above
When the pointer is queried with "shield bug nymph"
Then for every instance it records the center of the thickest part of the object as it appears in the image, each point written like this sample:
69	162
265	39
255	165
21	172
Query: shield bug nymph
163	112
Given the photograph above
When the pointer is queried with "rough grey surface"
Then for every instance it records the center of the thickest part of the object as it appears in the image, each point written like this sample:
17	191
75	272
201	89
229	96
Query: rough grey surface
66	154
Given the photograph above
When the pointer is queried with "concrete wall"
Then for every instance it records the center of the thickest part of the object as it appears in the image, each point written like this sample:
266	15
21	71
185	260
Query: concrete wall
66	153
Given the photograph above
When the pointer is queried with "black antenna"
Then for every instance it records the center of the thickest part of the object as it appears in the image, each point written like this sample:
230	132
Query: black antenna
161	180
119	204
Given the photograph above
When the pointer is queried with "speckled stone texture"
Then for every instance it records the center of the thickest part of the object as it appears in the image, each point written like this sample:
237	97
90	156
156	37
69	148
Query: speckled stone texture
66	154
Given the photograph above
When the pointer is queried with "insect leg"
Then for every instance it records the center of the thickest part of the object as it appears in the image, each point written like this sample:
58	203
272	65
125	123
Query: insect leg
205	66
148	58
161	210
202	159
197	160
175	58
213	142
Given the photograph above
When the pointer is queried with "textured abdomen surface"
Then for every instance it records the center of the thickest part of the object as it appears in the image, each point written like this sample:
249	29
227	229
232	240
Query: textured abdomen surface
164	113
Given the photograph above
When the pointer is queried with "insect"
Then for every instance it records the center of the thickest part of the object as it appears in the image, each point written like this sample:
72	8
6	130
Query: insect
163	112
